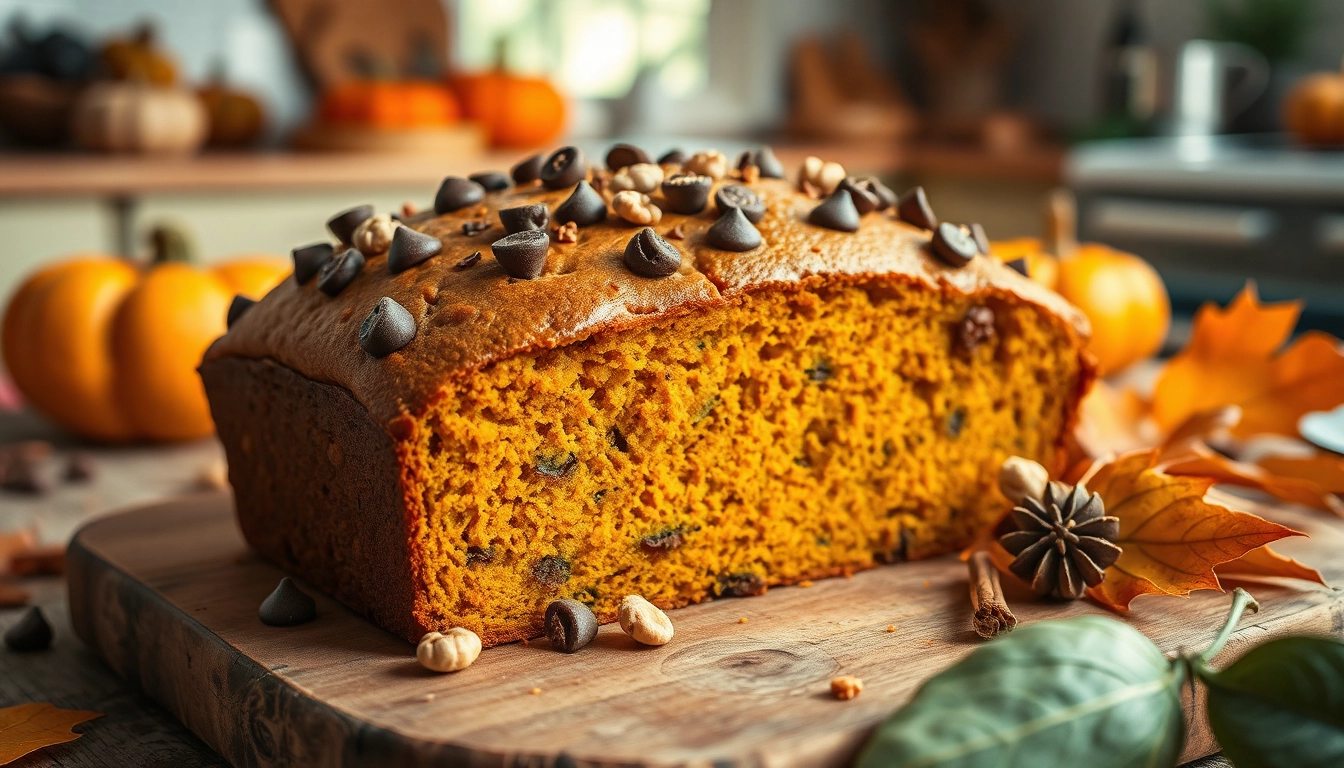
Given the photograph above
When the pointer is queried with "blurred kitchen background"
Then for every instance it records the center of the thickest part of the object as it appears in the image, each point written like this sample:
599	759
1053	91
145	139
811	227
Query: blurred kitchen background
1162	117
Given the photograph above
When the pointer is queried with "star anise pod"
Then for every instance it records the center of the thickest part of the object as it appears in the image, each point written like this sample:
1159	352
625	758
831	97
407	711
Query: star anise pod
1064	542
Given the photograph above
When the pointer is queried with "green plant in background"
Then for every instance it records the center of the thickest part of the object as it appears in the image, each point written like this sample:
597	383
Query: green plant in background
1095	692
1275	28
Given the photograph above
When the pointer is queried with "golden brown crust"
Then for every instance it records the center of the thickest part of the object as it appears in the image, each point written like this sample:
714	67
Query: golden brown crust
470	317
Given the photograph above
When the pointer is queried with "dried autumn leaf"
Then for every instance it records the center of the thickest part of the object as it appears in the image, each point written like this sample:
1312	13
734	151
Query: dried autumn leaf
29	727
1172	537
1325	471
1112	421
1266	562
1199	460
1234	358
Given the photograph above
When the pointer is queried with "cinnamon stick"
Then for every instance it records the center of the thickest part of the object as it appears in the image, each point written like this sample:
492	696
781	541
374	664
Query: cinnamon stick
990	615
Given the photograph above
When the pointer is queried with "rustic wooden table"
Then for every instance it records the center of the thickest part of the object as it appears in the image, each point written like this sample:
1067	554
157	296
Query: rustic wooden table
134	730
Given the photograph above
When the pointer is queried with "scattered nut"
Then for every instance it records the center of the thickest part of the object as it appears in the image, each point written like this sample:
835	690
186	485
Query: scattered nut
846	687
374	234
823	175
711	163
408	210
641	177
1020	478
642	621
452	651
635	208
567	233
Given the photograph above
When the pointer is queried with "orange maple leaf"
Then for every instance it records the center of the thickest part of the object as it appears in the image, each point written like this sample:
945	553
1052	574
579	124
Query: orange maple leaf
1264	561
1234	358
29	727
1324	470
1172	537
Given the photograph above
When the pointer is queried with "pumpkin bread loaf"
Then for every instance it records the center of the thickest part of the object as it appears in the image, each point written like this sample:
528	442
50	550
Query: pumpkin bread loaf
626	423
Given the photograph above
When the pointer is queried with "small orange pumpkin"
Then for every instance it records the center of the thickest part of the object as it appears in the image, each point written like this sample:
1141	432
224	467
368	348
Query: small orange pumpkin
514	111
109	351
235	118
390	105
138	58
1313	111
1041	266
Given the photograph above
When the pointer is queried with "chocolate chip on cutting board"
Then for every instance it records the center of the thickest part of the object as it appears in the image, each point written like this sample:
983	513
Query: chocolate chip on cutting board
564	168
570	625
287	606
528	170
32	633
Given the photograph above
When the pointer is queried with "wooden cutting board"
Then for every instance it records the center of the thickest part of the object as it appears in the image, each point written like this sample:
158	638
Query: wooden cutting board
169	595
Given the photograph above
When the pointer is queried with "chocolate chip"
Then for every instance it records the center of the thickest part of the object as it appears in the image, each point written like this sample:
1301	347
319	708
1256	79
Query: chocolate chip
836	212
863	197
287	606
745	160
475	227
388	328
551	571
622	155
953	245
672	157
677	233
491	181
769	165
343	224
738	196
32	633
522	254
564	168
528	170
649	255
468	261
885	197
22	467
525	217
456	193
309	259
741	585
237	307
570	625
1018	265
976	328
981	239
584	207
733	232
687	193
340	271
80	468
913	208
409	248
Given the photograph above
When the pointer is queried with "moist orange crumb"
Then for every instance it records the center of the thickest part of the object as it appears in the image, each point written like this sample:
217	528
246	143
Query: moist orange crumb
891	627
846	687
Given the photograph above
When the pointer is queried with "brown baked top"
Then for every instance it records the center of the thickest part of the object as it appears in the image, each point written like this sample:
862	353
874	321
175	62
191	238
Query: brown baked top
468	317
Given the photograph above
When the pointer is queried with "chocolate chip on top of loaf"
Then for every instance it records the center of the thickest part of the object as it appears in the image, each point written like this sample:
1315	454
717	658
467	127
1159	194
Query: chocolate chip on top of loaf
557	369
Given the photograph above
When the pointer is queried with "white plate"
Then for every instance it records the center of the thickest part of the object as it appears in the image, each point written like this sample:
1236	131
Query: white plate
1324	428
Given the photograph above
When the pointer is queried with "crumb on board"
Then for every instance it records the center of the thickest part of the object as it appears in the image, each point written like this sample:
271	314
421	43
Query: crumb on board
927	584
535	691
742	620
805	583
891	627
846	687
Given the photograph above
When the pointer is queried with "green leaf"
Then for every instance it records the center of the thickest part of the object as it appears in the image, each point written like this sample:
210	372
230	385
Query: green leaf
1281	704
1084	692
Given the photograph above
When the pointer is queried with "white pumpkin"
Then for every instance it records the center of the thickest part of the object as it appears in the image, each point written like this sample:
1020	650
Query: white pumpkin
140	118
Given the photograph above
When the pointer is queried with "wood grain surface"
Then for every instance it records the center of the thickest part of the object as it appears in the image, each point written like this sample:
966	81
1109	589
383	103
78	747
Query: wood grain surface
169	595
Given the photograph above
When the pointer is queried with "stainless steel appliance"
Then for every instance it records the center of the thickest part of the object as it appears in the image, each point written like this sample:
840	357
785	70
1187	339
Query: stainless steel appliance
1212	211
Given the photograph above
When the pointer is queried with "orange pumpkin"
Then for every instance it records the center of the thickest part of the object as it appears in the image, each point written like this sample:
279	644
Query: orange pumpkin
109	350
137	58
390	105
1123	297
514	111
1313	111
235	118
1041	266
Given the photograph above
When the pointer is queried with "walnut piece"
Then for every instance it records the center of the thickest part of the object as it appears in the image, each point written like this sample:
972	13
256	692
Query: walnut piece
451	651
846	687
1021	478
642	621
567	233
374	234
635	208
641	177
823	175
711	163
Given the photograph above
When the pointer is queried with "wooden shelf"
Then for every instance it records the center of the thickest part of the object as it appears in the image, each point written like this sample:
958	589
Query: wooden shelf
70	174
